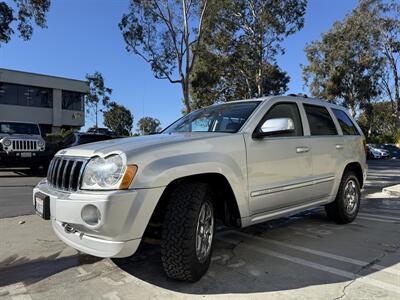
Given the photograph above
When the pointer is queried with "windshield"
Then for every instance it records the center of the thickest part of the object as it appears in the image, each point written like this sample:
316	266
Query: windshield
18	128
215	118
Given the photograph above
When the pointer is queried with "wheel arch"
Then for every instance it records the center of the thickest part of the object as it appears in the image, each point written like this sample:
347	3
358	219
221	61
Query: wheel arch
227	208
357	169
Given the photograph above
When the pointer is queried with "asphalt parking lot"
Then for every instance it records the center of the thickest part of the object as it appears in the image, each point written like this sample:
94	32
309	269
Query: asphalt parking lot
300	257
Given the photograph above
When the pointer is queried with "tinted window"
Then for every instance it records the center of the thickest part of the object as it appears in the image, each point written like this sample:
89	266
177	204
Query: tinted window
16	94
319	120
285	110
346	124
72	100
91	138
216	118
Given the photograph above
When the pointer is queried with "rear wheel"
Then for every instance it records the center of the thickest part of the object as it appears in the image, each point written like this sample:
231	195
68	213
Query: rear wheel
347	203
188	232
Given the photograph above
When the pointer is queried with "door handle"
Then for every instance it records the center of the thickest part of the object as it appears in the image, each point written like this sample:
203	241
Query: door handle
302	149
339	146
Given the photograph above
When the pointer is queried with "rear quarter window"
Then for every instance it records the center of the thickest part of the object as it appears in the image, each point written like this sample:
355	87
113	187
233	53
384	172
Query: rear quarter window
345	122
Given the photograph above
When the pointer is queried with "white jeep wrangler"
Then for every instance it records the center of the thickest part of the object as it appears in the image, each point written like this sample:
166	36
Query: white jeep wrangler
21	145
242	162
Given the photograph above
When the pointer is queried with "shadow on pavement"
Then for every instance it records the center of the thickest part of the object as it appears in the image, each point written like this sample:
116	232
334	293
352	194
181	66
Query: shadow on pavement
233	274
14	268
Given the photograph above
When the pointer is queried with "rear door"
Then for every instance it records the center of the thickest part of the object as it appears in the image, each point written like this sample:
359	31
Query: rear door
280	165
326	148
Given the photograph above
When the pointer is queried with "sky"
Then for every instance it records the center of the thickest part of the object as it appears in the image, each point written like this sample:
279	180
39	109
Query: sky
83	37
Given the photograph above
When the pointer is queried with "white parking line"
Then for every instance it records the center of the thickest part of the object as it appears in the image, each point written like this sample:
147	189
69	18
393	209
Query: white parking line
22	297
112	296
391	211
324	254
317	266
17	291
380	216
377	220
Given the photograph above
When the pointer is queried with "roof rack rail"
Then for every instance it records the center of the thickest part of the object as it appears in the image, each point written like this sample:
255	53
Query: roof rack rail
298	95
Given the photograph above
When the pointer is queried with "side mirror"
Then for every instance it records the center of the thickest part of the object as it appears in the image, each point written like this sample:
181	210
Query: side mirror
274	126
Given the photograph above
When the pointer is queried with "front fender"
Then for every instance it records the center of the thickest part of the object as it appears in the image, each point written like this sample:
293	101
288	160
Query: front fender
163	171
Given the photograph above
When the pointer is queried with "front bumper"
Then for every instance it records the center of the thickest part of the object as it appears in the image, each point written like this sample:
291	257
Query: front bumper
124	218
14	159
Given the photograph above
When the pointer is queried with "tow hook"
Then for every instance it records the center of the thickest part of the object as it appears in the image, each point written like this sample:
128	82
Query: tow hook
68	228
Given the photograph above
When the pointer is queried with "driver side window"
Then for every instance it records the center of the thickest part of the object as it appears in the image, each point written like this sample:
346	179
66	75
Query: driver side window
285	110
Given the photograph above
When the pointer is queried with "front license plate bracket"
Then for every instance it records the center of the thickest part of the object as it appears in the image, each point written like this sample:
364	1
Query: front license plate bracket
42	205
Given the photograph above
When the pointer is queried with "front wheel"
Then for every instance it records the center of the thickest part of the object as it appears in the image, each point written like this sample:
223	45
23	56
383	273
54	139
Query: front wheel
188	232
347	203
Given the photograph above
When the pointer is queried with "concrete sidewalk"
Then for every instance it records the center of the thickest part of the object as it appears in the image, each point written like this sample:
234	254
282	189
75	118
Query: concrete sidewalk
393	190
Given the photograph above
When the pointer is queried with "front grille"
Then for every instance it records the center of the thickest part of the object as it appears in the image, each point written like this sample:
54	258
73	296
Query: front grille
24	145
65	172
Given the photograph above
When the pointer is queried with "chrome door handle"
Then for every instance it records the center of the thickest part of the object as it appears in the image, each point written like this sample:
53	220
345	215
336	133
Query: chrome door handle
302	149
339	146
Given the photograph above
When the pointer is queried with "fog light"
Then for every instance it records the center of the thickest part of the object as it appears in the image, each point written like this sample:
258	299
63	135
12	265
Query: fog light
91	214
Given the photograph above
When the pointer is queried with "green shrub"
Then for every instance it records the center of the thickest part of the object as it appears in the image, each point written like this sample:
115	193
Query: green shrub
380	139
397	138
59	136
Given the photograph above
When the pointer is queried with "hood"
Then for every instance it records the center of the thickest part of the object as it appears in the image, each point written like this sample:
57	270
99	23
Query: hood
132	144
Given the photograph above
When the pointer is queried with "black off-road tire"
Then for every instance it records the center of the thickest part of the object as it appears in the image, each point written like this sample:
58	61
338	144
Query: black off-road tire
336	210
178	244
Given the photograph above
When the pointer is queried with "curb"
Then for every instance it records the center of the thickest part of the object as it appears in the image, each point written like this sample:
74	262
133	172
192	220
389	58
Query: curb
393	190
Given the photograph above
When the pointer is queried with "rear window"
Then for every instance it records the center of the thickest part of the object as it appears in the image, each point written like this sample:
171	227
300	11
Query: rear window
320	120
346	124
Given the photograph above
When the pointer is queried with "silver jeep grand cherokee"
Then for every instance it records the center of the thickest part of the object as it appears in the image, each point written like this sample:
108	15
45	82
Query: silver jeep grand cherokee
242	162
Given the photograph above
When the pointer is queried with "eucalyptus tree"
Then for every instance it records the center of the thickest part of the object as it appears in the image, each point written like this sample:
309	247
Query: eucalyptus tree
148	125
99	95
25	13
241	42
345	65
166	34
119	119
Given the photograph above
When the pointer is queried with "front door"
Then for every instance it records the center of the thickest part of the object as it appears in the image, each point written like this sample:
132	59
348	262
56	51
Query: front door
279	165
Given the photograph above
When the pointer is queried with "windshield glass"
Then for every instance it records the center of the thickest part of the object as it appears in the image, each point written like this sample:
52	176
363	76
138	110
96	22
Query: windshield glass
217	118
18	128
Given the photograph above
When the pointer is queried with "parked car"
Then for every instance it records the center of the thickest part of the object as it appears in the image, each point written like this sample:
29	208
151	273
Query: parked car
242	162
104	131
81	138
21	145
392	149
375	152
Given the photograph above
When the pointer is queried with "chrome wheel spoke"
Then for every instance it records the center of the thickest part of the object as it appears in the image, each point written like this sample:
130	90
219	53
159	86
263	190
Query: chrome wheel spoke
205	231
350	197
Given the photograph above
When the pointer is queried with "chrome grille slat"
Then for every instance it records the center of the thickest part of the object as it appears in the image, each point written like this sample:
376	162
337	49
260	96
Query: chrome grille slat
64	177
71	176
65	172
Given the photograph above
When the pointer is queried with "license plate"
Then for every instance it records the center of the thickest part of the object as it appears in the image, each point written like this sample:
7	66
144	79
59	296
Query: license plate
42	205
26	154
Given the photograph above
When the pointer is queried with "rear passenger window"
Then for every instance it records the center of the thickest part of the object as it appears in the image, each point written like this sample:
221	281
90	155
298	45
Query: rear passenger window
320	120
346	124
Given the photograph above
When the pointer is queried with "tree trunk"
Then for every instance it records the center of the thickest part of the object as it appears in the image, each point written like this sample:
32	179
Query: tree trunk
393	65
96	116
186	95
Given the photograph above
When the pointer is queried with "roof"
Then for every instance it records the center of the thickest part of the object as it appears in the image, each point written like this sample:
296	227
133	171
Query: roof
43	80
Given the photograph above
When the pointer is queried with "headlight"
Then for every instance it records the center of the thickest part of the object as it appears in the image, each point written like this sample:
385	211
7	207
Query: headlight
107	173
6	142
40	143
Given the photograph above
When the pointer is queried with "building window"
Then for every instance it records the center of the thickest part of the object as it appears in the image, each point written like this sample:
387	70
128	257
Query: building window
72	100
16	94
